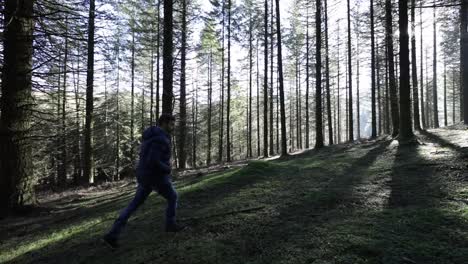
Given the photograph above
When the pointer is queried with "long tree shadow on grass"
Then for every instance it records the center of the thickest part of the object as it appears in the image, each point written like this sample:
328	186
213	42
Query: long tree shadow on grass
414	227
419	226
217	186
313	215
221	187
445	143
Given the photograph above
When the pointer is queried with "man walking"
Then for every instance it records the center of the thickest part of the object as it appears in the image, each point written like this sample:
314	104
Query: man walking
153	174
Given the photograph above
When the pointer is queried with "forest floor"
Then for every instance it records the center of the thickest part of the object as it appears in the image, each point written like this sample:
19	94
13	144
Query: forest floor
367	202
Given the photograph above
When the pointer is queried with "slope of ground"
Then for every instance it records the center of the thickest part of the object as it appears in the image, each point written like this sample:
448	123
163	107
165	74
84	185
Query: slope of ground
374	202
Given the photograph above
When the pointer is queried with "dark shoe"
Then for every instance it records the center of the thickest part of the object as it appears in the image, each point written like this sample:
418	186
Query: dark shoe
110	242
175	228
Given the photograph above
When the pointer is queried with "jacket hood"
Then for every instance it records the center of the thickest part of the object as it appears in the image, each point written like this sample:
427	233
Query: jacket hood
153	131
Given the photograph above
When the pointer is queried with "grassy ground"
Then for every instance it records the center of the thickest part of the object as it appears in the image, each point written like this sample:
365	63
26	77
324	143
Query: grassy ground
375	202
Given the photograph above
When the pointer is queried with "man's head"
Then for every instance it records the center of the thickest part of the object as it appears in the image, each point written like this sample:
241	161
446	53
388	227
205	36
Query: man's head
167	122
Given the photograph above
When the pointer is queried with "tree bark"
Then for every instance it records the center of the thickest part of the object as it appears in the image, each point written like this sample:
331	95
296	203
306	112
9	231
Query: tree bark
183	102
434	76
63	143
249	139
391	68
406	127
132	102
327	77
307	81
373	86
88	170
168	67
318	76
16	177
338	62
158	57
228	100
350	80
272	150
284	150
445	95
414	71
265	84
210	96
464	62
423	110
221	118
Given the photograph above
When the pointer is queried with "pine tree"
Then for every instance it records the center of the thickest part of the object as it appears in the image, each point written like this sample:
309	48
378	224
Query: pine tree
391	69
88	156
318	77
281	82
406	128
168	67
414	72
16	179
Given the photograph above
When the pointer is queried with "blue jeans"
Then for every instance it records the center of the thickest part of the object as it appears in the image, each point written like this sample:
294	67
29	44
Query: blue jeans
164	188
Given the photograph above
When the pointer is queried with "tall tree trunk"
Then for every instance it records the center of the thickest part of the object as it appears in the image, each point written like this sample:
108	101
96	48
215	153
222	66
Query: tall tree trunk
258	101
63	143
88	170
379	90
277	117
350	80
318	76
158	57
221	118
464	62
143	110
132	102
194	132
373	88
168	67
453	96
117	118
281	83
428	112
183	102
327	76
265	84
228	100
338	62
152	74
307	81
16	178
272	150
423	110
210	94
445	94
194	136
414	71
298	116
346	104
391	68
57	157
434	68
78	166
387	93
249	136
406	127
358	106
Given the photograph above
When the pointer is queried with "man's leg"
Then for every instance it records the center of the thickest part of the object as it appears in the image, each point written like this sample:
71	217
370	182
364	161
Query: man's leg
141	194
166	190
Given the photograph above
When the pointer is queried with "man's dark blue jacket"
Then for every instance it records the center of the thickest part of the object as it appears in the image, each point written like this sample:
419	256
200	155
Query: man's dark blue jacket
155	156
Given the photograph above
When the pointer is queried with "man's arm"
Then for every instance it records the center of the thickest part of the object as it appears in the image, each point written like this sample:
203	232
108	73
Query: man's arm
155	155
